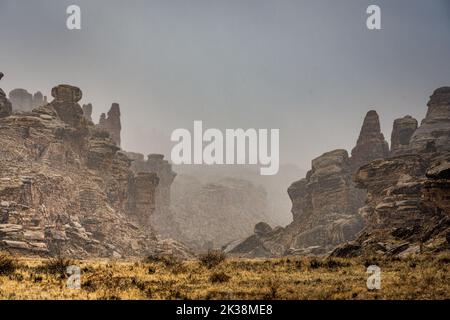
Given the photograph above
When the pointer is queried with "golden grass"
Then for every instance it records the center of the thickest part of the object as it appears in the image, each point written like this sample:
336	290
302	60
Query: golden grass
420	277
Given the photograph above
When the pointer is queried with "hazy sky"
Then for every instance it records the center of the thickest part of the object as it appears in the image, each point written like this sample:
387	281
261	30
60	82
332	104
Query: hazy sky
310	68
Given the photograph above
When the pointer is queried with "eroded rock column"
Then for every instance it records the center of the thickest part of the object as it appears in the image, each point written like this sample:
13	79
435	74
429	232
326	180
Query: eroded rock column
371	144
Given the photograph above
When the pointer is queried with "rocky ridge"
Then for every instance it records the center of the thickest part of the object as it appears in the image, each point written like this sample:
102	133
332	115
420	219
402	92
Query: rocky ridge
388	201
408	205
324	204
66	187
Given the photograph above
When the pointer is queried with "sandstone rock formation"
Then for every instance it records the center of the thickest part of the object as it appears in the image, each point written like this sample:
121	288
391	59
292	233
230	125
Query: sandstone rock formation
65	187
407	208
22	100
434	131
162	218
402	132
111	123
324	204
371	144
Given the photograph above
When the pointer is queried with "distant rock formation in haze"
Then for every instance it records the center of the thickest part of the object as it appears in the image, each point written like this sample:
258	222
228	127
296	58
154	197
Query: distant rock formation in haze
112	123
22	100
162	219
87	111
209	215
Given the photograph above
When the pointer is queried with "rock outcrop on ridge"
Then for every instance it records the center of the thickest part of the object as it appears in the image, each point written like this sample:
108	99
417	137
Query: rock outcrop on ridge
324	204
112	123
66	187
407	202
371	143
402	132
408	205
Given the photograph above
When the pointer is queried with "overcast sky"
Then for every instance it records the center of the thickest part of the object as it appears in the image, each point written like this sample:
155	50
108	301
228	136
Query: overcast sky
310	68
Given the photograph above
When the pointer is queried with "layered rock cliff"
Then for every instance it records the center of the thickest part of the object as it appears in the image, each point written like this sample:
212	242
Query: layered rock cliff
65	187
324	204
162	219
407	208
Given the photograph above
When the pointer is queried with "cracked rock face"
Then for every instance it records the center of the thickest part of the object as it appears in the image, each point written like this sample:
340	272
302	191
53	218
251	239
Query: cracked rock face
434	131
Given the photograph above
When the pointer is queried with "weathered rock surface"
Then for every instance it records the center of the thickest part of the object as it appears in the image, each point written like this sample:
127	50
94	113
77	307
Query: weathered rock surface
402	132
408	204
66	187
324	204
433	135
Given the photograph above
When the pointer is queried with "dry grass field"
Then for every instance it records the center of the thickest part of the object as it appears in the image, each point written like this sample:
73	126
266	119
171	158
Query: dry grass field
214	277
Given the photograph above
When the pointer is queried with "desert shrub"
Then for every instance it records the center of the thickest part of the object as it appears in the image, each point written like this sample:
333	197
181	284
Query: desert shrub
332	263
219	277
212	258
7	264
171	262
167	260
443	259
315	263
328	263
273	290
56	266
